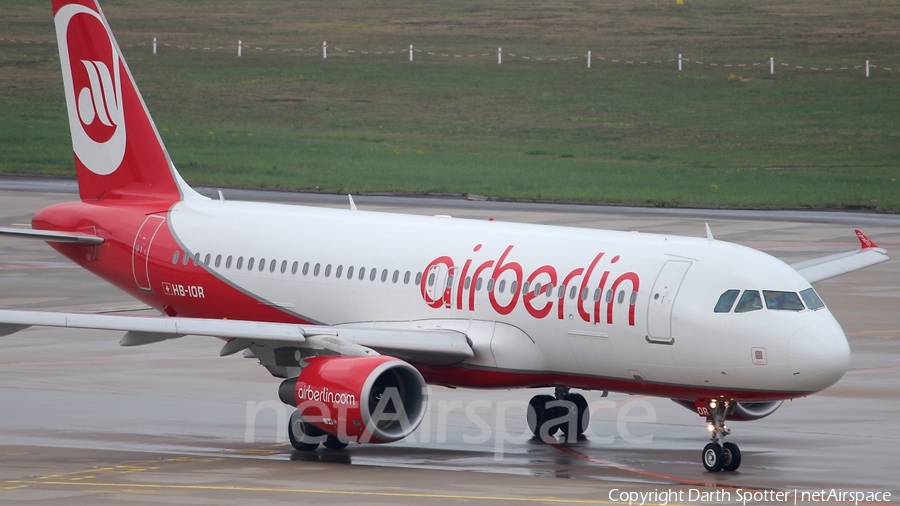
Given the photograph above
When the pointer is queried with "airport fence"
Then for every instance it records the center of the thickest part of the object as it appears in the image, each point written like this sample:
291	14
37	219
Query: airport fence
589	58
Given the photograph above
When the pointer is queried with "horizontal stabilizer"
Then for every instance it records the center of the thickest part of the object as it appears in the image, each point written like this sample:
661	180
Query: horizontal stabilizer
50	236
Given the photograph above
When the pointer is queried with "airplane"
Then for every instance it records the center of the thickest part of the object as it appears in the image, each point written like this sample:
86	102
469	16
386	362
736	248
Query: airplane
358	311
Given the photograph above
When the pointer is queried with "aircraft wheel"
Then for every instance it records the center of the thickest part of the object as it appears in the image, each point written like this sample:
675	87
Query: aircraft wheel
713	457
732	456
584	416
333	443
538	414
302	435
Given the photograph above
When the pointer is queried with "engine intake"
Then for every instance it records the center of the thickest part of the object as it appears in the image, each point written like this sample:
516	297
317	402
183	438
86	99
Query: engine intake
363	399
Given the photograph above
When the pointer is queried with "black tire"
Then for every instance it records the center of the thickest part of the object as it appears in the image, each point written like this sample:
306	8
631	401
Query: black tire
303	436
538	414
732	457
713	457
333	443
584	416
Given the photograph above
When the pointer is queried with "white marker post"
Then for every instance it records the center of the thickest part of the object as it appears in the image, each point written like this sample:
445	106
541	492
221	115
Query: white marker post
240	45
325	50
499	55
867	68
410	52
154	45
679	62
771	65
589	59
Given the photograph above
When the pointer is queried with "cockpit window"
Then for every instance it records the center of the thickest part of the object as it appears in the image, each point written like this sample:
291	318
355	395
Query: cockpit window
812	300
726	301
750	301
784	301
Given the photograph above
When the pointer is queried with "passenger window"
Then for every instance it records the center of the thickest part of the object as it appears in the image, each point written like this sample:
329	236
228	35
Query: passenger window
407	276
608	296
395	277
262	264
467	283
572	292
228	262
633	299
328	270
525	287
537	289
185	259
240	263
512	286
316	269
196	258
218	260
339	271
812	300
584	293
596	295
502	286
490	285
362	273
294	267
478	284
372	274
283	266
431	279
418	278
175	257
562	292
384	275
782	301
305	268
621	297
726	301
207	259
750	301
272	265
350	272
250	263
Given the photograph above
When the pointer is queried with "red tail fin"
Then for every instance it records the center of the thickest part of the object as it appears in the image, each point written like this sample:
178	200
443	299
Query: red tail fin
118	152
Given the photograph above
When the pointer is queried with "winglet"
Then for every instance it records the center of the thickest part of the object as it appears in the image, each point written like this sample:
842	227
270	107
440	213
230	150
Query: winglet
709	233
864	241
352	204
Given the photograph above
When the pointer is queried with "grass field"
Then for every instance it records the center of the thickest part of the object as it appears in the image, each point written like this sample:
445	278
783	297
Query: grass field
647	134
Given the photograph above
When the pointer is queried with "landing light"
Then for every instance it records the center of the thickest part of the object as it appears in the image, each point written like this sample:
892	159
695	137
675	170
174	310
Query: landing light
711	427
712	404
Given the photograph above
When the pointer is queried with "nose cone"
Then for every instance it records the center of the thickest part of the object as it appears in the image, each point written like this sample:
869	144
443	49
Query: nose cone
819	355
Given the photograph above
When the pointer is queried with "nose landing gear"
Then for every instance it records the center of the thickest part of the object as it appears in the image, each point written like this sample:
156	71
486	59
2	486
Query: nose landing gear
719	456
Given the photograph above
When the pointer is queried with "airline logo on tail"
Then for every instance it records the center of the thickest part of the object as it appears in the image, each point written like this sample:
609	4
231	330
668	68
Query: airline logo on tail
93	88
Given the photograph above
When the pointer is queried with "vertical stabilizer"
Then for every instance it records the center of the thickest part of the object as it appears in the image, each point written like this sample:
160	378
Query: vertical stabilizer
118	151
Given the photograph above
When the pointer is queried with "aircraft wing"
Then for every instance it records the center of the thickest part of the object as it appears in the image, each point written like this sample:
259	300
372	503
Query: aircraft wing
426	346
830	266
50	236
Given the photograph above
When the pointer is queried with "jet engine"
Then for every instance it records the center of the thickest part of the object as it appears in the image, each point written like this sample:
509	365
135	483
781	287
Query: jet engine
742	411
376	399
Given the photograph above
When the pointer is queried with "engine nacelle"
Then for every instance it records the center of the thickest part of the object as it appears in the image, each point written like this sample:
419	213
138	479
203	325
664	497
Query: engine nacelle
376	399
746	411
741	411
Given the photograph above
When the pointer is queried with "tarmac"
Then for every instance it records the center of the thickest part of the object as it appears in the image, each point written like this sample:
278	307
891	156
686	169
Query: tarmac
85	421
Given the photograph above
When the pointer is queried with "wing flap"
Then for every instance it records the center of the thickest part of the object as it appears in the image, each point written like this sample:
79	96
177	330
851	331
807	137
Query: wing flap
426	346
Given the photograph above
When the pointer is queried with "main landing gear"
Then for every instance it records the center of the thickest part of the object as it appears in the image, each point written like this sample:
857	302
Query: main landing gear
306	437
719	456
566	412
